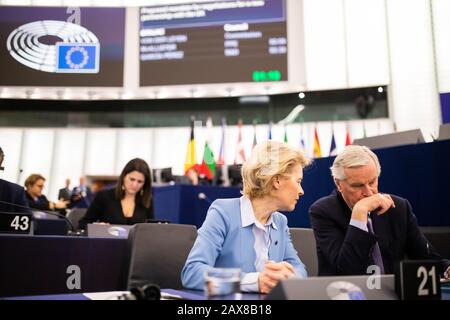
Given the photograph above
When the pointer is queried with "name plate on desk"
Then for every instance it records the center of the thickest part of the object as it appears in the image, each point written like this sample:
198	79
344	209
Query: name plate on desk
418	280
19	223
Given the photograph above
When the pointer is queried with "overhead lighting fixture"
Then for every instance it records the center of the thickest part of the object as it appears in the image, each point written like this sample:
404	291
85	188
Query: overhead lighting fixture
254	99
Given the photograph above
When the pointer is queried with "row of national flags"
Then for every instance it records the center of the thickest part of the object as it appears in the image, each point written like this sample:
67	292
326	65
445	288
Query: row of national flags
207	167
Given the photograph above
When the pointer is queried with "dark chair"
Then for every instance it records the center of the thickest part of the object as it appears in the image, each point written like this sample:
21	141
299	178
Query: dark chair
163	175
75	215
305	244
157	253
439	237
234	174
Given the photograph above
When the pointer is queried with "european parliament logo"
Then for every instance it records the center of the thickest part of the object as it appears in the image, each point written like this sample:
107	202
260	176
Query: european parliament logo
25	46
77	57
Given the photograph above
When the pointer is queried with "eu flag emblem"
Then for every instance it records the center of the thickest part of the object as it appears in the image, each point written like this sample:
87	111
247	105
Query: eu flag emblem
77	57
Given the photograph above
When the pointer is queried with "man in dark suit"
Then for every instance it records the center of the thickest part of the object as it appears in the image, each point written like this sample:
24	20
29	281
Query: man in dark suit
11	193
359	230
65	193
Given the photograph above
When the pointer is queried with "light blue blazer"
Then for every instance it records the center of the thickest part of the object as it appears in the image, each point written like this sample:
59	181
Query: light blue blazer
222	242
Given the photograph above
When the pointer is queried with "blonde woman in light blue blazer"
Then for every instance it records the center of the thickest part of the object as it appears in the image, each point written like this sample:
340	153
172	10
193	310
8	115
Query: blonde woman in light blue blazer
248	232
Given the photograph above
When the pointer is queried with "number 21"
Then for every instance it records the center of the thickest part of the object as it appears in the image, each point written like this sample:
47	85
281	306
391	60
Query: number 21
422	272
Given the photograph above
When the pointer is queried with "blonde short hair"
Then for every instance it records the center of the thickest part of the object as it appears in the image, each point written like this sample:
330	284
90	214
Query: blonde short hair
269	159
353	156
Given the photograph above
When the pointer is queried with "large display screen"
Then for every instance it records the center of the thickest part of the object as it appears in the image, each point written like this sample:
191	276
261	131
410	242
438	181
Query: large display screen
213	42
60	46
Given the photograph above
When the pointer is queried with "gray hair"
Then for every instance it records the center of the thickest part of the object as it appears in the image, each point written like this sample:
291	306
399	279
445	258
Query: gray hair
353	156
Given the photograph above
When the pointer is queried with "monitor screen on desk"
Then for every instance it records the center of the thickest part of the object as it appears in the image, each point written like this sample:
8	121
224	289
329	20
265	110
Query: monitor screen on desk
336	288
96	230
50	223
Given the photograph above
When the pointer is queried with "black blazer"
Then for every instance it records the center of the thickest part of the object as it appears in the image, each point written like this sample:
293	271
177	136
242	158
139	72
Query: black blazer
106	208
343	249
12	193
65	194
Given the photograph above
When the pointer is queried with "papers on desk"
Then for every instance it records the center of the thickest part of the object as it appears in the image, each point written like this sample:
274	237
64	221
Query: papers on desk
108	295
116	295
169	296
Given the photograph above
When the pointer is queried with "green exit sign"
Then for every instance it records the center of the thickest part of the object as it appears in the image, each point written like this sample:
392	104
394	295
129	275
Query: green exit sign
272	75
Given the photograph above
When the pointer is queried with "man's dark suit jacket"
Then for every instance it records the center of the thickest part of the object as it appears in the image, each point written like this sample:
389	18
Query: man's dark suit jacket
65	194
343	249
12	193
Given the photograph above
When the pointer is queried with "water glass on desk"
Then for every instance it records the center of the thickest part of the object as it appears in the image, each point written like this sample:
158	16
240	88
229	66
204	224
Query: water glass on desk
222	281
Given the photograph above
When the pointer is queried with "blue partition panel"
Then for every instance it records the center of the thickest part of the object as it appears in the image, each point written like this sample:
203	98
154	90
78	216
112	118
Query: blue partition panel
420	173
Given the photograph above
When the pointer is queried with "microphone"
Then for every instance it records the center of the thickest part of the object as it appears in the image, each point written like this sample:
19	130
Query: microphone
28	209
204	197
147	292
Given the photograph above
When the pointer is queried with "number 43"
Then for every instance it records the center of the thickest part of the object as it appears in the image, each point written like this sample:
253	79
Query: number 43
20	222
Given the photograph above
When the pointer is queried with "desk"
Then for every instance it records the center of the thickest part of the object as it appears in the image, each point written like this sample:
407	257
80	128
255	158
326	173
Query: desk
188	294
32	265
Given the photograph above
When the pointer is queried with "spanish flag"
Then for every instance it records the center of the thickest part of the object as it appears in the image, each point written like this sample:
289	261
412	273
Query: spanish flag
191	158
317	152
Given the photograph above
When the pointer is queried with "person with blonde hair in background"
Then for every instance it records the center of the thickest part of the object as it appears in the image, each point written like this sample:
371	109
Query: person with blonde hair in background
248	232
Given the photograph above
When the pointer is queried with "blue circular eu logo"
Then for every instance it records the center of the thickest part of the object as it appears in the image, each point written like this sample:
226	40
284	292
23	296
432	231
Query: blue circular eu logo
77	57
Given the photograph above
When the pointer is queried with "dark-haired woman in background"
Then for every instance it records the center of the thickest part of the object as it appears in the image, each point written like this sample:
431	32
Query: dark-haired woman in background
129	202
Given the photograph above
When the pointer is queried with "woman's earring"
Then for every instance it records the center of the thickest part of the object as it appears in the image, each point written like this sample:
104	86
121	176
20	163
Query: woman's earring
142	192
123	188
